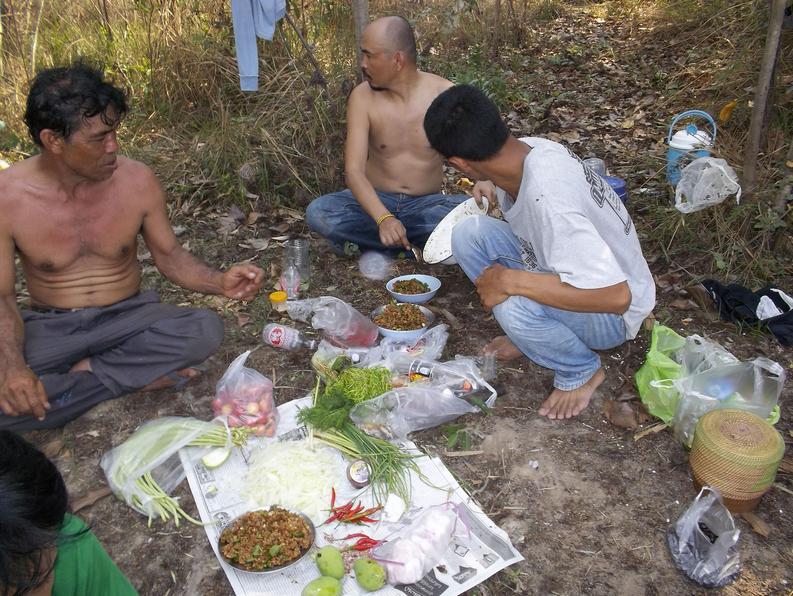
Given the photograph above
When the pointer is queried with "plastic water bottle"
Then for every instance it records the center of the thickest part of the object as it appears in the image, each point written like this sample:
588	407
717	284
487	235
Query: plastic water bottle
290	281
287	338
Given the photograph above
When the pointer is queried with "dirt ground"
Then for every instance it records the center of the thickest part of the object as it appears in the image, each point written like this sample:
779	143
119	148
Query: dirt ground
592	518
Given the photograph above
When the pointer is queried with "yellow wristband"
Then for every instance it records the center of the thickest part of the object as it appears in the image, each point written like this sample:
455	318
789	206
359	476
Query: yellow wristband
382	218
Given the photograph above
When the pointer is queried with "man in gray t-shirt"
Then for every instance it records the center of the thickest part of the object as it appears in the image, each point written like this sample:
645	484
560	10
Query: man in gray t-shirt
564	275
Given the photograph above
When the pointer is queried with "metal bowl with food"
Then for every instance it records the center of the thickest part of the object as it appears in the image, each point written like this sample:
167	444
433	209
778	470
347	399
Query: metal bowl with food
403	322
266	540
414	289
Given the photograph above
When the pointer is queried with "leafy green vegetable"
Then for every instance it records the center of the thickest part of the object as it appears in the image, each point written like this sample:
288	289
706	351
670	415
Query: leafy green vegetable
360	384
330	410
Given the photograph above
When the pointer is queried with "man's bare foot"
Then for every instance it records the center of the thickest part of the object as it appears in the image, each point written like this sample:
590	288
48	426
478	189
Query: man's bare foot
503	348
566	404
82	365
180	377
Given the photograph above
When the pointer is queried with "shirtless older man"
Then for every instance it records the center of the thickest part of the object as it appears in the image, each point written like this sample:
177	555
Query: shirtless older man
394	175
72	214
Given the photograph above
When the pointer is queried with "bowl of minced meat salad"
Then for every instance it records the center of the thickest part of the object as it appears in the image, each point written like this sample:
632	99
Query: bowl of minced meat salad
266	540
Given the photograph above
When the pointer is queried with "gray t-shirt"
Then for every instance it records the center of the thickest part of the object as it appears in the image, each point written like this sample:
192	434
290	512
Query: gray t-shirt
570	222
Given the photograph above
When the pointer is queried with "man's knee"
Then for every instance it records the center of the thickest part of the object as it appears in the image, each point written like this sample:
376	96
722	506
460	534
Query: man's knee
467	232
203	335
518	312
319	215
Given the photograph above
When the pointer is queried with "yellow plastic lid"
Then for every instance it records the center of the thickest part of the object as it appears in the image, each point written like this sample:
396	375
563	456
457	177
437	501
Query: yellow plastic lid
279	296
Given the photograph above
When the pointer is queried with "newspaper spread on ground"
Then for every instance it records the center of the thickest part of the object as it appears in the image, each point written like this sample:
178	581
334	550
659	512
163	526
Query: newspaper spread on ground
475	554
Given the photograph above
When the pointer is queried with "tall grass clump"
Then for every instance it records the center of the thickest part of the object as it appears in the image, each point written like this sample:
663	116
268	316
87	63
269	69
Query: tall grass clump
189	120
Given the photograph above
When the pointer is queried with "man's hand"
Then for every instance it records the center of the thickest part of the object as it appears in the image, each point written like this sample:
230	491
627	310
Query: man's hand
241	282
485	188
393	233
491	286
21	392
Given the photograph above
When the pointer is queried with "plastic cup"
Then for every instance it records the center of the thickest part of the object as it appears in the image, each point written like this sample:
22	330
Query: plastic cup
597	165
296	252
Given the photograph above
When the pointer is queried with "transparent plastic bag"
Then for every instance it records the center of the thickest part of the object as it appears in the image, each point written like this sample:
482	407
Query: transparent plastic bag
698	355
705	181
399	412
703	542
429	346
339	321
438	392
753	386
246	396
152	448
415	549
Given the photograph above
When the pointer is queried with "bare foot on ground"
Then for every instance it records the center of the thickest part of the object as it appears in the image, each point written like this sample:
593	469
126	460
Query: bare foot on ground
566	404
180	377
503	348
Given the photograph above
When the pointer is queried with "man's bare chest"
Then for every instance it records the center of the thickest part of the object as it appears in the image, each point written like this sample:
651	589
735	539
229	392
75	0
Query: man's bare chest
55	239
392	130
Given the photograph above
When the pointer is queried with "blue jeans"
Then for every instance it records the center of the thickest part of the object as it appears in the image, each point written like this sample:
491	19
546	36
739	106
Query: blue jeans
340	218
557	339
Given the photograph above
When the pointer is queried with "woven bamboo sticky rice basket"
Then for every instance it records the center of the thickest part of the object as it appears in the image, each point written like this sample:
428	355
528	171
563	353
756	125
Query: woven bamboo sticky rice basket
738	453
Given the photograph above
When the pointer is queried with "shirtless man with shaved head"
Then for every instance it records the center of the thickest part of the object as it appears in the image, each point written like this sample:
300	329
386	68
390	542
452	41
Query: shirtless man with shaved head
394	176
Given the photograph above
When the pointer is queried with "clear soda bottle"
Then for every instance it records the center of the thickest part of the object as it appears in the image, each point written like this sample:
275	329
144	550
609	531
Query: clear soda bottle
287	338
290	281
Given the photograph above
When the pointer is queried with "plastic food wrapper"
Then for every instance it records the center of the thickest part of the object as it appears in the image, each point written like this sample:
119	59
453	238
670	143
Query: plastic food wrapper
339	321
411	553
246	397
152	448
438	392
428	347
684	378
705	181
704	541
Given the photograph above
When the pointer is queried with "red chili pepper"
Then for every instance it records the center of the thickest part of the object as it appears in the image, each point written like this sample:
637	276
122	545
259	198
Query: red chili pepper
359	535
332	497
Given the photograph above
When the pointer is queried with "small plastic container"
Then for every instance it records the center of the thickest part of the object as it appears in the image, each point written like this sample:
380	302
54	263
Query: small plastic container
278	300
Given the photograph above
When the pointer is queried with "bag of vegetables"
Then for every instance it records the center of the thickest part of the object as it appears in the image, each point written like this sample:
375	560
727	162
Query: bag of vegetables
146	467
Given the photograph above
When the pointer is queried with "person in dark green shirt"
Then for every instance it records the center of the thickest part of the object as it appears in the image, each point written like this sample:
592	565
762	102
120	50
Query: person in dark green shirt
44	550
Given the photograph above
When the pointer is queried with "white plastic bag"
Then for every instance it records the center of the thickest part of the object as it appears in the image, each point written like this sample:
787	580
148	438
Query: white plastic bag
703	542
418	547
705	181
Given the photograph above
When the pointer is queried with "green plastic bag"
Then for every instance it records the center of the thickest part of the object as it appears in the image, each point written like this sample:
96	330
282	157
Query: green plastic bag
654	378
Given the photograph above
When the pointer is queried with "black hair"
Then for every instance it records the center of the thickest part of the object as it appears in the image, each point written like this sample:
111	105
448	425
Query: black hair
33	503
61	98
463	122
400	33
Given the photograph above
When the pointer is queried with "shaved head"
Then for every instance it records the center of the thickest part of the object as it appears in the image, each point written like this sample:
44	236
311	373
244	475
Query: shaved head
397	34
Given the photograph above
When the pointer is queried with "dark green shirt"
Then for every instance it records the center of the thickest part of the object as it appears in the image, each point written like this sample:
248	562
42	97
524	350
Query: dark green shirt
83	568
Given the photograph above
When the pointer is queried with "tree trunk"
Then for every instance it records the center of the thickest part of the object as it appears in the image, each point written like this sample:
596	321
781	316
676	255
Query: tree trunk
776	14
496	29
360	15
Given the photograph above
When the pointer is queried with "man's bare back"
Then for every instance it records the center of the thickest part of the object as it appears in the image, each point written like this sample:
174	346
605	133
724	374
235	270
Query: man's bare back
400	158
77	251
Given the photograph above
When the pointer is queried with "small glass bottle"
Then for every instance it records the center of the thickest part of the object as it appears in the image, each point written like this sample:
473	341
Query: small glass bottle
287	338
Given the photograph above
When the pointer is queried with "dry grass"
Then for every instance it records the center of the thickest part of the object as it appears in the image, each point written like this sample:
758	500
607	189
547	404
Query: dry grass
194	126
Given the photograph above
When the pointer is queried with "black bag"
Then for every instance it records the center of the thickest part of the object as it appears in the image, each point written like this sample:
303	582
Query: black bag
739	304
